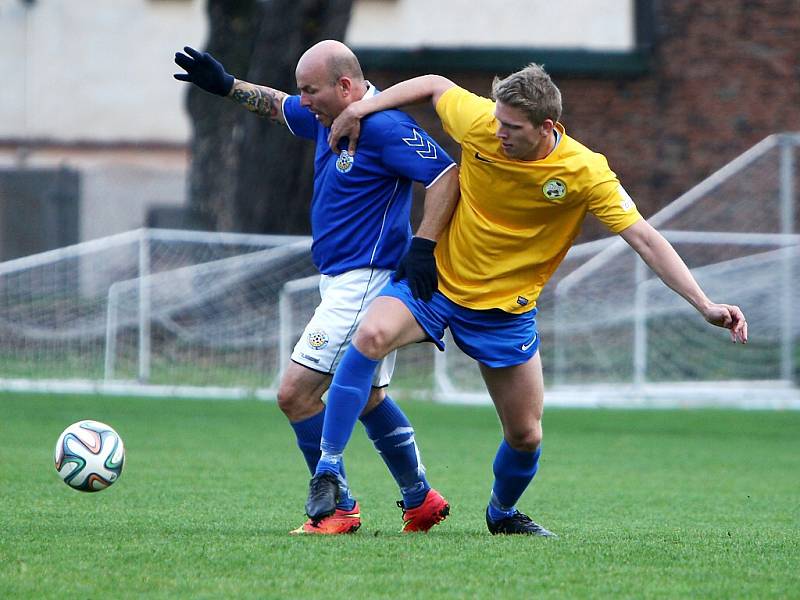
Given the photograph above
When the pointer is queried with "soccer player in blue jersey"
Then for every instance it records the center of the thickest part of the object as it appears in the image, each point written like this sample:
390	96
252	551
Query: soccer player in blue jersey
361	234
526	187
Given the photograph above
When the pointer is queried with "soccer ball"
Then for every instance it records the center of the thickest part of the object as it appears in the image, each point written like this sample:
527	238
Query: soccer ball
89	456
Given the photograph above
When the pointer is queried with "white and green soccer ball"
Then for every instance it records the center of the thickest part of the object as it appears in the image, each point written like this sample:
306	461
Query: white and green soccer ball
89	456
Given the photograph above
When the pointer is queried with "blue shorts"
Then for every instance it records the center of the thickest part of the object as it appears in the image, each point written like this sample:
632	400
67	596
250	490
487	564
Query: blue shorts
493	337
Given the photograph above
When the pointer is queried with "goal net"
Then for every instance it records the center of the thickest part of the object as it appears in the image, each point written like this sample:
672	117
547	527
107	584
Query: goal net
148	307
165	312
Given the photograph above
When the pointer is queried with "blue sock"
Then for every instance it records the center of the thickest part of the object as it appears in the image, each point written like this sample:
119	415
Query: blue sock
347	397
308	433
391	432
513	471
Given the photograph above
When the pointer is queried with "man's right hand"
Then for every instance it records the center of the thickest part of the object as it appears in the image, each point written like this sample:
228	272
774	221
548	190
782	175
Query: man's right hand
347	124
418	267
204	71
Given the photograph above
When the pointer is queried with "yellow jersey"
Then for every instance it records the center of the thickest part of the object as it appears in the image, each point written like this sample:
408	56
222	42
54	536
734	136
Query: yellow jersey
517	219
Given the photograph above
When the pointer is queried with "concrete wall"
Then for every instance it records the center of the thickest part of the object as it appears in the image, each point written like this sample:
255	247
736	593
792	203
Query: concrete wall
101	71
119	186
493	23
117	198
95	70
39	210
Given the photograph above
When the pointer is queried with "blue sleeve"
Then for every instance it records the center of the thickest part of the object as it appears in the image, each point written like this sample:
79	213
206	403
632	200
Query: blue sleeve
300	121
410	152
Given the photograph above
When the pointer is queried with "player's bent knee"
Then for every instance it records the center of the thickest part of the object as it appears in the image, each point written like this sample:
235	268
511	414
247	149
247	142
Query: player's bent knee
525	441
292	401
287	398
372	341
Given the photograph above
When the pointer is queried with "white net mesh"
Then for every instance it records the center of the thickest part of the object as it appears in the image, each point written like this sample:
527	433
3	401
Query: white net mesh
190	310
160	307
210	324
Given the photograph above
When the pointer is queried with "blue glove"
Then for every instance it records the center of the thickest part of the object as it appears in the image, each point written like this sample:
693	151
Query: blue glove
418	266
204	71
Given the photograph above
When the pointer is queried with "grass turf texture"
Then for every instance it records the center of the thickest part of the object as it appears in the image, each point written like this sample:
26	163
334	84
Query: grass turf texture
667	504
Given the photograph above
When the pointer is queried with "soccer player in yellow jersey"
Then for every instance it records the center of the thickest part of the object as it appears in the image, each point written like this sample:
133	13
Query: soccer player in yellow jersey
525	189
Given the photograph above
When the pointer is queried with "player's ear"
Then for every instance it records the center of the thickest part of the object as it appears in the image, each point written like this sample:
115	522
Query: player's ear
547	127
345	85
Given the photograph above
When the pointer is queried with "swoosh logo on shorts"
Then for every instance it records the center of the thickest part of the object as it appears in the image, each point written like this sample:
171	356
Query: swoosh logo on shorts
525	347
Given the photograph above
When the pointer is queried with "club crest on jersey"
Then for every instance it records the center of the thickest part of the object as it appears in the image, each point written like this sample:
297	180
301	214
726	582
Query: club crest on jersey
554	189
318	339
345	162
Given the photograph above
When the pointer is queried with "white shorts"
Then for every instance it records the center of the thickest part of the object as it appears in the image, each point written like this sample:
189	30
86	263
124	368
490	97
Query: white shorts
327	336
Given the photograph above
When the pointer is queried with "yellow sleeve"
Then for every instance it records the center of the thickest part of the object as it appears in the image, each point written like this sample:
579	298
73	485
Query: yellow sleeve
460	109
610	203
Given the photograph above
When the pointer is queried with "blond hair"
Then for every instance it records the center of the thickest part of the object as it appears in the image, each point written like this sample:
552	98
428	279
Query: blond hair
532	91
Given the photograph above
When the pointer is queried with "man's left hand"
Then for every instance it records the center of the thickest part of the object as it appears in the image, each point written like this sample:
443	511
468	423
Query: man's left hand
730	317
346	125
203	70
418	266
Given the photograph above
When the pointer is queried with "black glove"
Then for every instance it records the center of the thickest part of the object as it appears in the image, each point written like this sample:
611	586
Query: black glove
204	71
418	266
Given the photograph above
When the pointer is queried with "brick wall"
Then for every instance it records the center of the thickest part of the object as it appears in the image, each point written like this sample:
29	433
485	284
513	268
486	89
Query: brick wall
725	74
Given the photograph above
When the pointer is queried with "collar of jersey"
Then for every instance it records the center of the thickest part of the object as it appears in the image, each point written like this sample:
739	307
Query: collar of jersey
371	90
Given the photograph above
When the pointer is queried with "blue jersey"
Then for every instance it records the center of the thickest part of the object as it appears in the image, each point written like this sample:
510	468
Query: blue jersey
361	206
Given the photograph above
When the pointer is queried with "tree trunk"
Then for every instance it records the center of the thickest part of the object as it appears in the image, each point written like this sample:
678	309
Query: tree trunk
248	174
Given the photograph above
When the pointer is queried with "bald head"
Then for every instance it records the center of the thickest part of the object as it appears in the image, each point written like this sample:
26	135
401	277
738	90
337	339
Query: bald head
329	79
336	59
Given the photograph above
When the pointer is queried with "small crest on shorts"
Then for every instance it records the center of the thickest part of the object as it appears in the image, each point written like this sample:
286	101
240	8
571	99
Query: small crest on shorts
318	339
345	162
522	301
554	189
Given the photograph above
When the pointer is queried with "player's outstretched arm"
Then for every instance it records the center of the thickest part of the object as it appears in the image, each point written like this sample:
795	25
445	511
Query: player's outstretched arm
207	73
262	100
411	91
662	258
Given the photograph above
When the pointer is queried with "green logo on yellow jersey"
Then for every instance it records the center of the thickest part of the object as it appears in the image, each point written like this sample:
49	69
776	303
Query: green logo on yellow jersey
554	189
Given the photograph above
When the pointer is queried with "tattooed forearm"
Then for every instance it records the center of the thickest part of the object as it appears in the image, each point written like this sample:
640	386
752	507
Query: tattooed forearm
263	101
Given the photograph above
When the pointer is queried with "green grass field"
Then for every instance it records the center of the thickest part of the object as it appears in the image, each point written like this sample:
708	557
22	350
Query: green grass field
648	504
